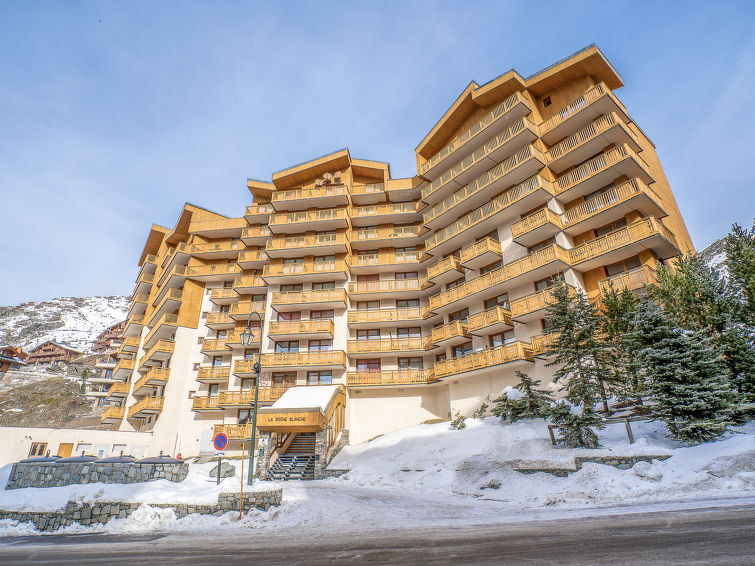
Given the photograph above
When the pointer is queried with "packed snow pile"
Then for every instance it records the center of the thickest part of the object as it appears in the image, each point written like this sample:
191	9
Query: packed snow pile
432	476
306	397
76	321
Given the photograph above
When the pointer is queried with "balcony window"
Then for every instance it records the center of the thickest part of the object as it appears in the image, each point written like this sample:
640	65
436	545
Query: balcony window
548	282
247	384
408	332
407	254
285	379
320	345
289	316
319	377
372	364
220	334
325	259
321	286
502	338
491	267
244	416
372	334
321	315
462	349
292	260
623	266
225	308
541	245
368	305
462	315
291	288
407	303
499	301
287	346
456	283
369	277
213	390
217	361
440	357
250	354
409	275
608	228
410	363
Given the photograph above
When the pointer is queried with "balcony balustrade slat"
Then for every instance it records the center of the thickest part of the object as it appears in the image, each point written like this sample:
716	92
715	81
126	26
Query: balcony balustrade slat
395	377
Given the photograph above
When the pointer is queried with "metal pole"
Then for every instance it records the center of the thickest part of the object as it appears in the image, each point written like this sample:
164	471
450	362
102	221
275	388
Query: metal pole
252	447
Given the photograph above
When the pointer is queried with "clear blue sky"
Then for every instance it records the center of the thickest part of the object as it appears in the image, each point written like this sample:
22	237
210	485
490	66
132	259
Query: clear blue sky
108	106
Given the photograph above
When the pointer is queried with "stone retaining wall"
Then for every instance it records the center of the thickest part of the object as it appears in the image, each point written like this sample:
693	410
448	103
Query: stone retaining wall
55	474
620	462
87	514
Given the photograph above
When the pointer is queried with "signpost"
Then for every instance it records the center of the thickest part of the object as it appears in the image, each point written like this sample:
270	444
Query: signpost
219	443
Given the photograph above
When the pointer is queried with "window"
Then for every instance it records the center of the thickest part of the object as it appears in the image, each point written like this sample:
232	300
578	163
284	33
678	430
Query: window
204	314
293	260
368	277
491	267
285	379
547	102
548	282
410	363
458	315
608	228
623	266
462	349
322	285
213	390
456	283
546	324
372	364
440	357
319	377
196	367
250	354
499	301
368	305
217	361
225	308
244	415
325	259
321	315
409	275
372	334
247	384
320	345
290	288
287	346
191	394
38	449
286	316
413	332
220	334
502	338
200	340
540	245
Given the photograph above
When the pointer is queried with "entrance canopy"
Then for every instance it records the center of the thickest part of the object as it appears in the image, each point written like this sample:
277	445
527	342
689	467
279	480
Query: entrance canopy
302	409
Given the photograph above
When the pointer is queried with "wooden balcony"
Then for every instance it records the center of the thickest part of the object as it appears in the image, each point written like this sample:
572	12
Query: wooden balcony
217	250
324	360
312	220
615	202
371	263
233	339
514	107
224	296
388	378
377	318
450	334
244	368
129	346
387	346
169	303
596	101
223	228
606	130
281	273
231	399
519	134
155	377
301	329
219	321
118	390
540	344
329	196
390	213
234	432
138	304
370	193
215	272
149	265
536	227
632	280
161	351
393	236
386	288
113	415
243	309
203	403
549	260
252	259
481	253
217	347
258	213
146	407
143	283
249	285
163	328
213	374
298	246
323	299
446	270
256	235
601	171
491	321
523	164
647	233
173	276
134	325
532	307
124	368
481	221
484	359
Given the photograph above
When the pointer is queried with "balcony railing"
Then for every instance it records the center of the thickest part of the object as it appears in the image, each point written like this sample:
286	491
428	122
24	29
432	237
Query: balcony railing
395	377
455	329
216	373
484	359
113	413
219	318
217	269
612	197
535	220
225	293
146	406
234	431
506	272
305	268
307	297
483	181
479	248
293	242
259	231
584	135
313	193
167	319
385	286
255	209
252	256
118	389
212	346
532	303
384	258
125	365
572	108
450	263
488	210
368	189
323	215
631	280
205	403
304	359
635	232
541	343
385	315
384	209
393	232
387	345
301	327
140	298
245	308
209	247
153	378
474	129
160	347
596	165
490	317
245	398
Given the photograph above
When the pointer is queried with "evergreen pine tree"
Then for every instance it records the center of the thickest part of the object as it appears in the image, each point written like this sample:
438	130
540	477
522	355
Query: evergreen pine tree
533	404
686	375
617	317
84	378
740	262
575	430
740	358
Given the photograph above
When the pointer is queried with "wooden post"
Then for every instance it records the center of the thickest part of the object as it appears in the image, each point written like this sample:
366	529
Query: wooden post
241	495
553	438
629	431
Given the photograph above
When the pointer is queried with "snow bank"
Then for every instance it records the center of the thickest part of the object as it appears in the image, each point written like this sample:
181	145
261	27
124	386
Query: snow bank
306	397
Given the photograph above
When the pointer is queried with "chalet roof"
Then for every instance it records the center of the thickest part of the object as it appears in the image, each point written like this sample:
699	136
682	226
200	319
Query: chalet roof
59	344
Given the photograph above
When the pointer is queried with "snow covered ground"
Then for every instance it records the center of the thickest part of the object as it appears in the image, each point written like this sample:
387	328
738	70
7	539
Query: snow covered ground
431	475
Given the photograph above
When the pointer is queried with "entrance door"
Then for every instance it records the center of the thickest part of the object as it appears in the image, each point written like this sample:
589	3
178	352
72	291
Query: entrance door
65	449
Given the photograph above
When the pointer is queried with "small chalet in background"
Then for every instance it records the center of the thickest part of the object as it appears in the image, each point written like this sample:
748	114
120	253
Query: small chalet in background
12	357
52	351
104	341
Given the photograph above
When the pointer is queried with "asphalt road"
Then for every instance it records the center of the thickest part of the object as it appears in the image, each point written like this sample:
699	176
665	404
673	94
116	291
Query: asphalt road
705	536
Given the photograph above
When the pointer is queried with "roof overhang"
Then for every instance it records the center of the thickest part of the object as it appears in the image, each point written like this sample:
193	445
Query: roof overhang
304	172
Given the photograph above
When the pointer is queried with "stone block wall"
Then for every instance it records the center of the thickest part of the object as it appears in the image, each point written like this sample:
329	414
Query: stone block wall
55	474
620	462
88	514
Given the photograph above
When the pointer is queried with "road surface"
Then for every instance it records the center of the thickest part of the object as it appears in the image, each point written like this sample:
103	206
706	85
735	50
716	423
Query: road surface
724	535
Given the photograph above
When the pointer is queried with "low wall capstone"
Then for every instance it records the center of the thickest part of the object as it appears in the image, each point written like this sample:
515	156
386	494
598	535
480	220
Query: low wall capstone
620	462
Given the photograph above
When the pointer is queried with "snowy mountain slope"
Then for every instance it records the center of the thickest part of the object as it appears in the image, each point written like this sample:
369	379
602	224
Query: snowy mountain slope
74	320
715	256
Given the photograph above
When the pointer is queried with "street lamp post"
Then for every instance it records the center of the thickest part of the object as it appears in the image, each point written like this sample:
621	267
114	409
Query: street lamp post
246	340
